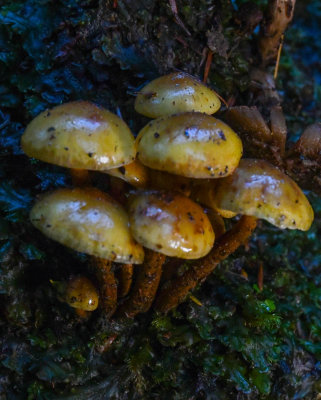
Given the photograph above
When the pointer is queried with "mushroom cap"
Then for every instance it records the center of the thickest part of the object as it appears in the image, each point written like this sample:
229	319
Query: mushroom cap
190	144
175	93
261	190
79	135
204	192
81	294
134	173
170	223
88	221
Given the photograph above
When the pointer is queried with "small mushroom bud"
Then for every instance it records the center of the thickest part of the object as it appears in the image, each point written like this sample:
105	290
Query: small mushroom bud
175	93
81	294
79	135
194	145
170	223
261	190
88	221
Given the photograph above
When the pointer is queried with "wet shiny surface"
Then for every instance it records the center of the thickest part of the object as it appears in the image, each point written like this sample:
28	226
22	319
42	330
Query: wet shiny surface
82	294
171	224
79	135
190	144
87	221
257	188
173	93
134	173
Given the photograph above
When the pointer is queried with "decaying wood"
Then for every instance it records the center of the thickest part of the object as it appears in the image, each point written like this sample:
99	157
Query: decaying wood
278	17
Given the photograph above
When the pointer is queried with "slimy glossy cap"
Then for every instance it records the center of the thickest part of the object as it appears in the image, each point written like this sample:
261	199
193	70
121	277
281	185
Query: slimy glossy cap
190	144
258	189
79	135
171	224
175	93
82	294
88	221
134	173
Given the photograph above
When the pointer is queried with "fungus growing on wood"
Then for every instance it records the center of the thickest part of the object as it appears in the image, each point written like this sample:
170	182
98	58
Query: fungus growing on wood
166	223
175	93
81	294
190	144
79	135
90	221
170	223
258	189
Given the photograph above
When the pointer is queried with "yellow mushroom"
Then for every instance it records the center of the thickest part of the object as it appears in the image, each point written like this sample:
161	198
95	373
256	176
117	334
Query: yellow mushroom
175	93
190	144
204	192
261	190
134	173
88	221
170	223
81	294
79	135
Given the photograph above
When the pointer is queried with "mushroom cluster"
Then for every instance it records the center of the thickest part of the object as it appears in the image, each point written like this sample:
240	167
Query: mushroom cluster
181	162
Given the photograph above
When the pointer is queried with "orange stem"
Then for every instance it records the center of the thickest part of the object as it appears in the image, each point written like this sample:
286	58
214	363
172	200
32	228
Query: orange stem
146	285
177	289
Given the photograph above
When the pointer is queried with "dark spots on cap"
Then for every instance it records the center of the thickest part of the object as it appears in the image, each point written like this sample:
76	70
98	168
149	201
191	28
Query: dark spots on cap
282	217
115	148
130	256
52	137
66	148
156	135
90	154
293	222
173	103
113	255
259	205
278	204
89	134
122	170
117	125
221	173
136	154
190	216
163	98
48	226
296	201
226	169
51	129
159	246
221	135
48	114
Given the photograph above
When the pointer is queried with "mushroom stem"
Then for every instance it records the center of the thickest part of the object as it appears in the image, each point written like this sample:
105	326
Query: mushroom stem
108	285
176	291
279	15
146	285
83	314
125	278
